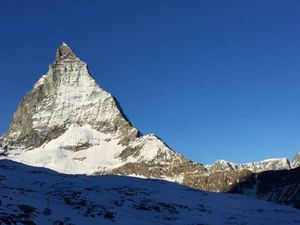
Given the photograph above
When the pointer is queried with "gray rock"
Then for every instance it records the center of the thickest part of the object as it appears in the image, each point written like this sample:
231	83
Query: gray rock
65	96
296	160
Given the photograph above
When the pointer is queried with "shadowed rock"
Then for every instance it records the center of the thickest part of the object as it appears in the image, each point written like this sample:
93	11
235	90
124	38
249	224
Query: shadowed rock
64	53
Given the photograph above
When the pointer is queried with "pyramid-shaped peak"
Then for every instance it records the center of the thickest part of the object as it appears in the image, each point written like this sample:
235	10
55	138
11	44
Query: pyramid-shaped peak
65	54
65	96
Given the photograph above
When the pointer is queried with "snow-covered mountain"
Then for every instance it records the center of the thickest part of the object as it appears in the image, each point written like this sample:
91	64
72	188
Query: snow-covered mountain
256	167
68	123
47	197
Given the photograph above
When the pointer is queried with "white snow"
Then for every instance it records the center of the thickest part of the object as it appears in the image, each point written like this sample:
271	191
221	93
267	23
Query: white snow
55	154
122	200
151	148
100	154
40	81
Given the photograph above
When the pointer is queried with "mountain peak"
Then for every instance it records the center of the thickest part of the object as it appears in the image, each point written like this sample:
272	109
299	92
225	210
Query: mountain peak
65	54
65	96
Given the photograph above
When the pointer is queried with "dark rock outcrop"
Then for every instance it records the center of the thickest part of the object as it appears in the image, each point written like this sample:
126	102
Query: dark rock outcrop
281	186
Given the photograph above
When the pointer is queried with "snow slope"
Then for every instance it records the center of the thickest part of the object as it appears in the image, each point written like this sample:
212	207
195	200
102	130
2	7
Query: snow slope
100	152
27	191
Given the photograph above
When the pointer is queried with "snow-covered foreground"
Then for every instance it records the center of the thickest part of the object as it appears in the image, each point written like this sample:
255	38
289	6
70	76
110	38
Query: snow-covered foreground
26	192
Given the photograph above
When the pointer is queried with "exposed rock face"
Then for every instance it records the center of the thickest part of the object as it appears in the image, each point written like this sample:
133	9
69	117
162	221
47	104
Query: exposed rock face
65	54
70	124
296	161
281	186
65	96
188	173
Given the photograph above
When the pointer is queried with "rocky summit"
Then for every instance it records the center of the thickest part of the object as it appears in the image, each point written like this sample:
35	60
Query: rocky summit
68	123
65	97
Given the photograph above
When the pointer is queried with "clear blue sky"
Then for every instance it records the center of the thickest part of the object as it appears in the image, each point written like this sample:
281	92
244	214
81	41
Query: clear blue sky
214	79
